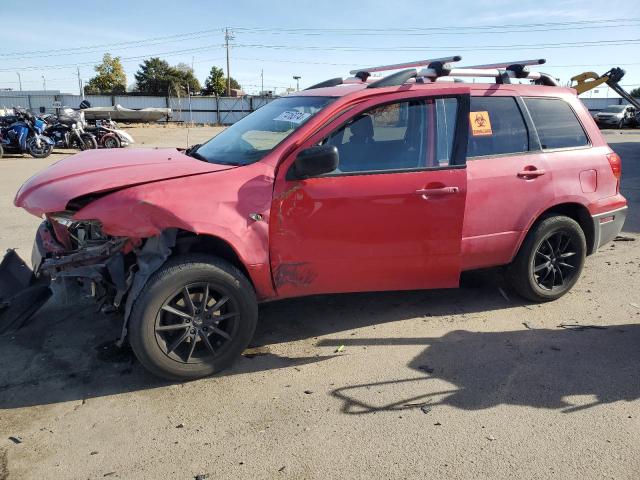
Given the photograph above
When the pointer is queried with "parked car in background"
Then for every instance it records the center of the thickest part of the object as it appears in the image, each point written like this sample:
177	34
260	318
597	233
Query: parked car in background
618	116
347	186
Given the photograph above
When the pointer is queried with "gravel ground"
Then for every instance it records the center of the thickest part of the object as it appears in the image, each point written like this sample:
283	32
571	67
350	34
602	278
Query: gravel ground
467	383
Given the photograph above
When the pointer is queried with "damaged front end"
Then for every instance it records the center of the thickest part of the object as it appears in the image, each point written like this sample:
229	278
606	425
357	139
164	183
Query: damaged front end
110	269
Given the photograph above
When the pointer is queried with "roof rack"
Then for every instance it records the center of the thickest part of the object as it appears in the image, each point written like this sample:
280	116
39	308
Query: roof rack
441	67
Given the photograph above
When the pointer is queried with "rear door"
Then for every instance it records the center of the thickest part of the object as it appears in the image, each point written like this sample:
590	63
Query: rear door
509	179
390	217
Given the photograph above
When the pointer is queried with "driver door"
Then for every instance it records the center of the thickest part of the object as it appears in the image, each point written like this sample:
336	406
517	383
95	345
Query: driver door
390	216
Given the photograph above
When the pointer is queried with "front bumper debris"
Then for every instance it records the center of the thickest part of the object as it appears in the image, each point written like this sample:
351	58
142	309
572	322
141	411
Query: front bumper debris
21	292
112	270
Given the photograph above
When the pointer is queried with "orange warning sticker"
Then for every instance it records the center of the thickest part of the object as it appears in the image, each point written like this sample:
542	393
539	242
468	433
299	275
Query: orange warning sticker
480	123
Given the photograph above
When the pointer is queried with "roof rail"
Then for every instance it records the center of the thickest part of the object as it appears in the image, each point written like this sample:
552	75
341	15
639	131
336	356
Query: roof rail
332	82
505	65
398	66
437	66
441	67
395	79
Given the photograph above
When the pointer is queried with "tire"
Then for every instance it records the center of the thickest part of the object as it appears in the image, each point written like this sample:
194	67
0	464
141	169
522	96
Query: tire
154	327
88	142
38	152
555	247
1	151
111	141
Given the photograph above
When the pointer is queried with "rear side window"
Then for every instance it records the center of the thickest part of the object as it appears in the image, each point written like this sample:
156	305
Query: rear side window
556	123
496	127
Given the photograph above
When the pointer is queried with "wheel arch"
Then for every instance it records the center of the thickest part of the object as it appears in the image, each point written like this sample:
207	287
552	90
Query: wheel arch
258	275
573	210
190	242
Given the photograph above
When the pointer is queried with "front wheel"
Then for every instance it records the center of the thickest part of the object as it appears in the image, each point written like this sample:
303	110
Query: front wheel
42	151
88	142
550	259
194	317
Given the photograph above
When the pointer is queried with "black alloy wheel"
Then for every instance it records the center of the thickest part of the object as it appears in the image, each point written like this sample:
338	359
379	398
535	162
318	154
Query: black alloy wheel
556	261
196	322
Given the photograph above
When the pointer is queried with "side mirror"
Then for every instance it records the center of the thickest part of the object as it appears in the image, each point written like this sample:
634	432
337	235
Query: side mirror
314	161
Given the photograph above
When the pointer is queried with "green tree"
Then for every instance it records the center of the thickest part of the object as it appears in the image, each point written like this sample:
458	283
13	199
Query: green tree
216	83
187	78
153	76
234	84
157	77
635	92
110	77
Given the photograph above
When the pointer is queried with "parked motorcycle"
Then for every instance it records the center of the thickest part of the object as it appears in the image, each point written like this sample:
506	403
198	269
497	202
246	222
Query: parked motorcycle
24	133
67	130
109	135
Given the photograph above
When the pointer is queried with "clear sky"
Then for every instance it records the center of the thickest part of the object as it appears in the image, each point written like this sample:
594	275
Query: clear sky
313	39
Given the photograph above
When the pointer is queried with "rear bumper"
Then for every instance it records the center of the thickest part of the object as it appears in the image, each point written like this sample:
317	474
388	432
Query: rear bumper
607	226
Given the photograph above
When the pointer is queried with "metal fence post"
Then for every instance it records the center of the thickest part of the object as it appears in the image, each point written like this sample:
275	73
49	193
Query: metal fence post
217	109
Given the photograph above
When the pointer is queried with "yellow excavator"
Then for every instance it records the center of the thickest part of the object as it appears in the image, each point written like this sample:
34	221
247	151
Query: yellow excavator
589	80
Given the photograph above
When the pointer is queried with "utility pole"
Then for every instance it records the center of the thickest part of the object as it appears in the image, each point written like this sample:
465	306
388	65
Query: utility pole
228	36
44	83
19	80
80	84
297	79
261	82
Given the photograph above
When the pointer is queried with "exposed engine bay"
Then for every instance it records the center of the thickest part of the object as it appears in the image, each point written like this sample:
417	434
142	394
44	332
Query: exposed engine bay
112	270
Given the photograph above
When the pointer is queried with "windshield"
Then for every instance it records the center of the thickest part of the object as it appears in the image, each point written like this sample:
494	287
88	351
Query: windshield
615	108
250	139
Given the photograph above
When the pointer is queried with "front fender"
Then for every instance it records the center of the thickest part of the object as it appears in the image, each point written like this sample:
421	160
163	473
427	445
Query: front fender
217	204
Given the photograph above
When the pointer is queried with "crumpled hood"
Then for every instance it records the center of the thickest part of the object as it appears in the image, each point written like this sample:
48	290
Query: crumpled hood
96	171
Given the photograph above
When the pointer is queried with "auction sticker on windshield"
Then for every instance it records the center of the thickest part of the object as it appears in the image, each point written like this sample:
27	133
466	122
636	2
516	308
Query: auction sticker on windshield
292	117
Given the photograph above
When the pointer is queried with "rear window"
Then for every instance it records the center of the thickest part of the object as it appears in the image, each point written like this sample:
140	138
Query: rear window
496	127
556	123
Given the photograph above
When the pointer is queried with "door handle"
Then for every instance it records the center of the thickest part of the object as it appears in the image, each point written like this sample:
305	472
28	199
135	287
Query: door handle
437	192
533	173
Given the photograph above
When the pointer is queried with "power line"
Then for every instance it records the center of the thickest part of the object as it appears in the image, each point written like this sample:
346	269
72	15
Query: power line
401	32
404	48
462	30
135	43
123	59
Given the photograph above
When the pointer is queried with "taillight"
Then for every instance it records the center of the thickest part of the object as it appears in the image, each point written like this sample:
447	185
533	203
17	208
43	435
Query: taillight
616	164
616	167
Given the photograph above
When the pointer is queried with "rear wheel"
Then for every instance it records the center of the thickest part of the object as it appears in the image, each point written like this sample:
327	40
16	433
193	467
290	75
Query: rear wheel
111	141
550	259
194	317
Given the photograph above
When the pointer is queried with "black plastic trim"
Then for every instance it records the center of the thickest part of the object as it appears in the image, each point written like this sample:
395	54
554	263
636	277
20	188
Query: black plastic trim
332	82
395	79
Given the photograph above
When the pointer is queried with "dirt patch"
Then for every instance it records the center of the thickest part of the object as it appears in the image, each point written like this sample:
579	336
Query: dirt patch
4	465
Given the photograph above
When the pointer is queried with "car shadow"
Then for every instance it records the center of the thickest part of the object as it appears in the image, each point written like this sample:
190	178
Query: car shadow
560	369
67	350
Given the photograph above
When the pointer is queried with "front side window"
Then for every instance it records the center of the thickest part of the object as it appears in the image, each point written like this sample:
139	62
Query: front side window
414	134
496	127
557	125
253	137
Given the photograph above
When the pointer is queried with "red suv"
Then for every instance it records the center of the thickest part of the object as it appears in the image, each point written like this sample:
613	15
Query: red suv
353	185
